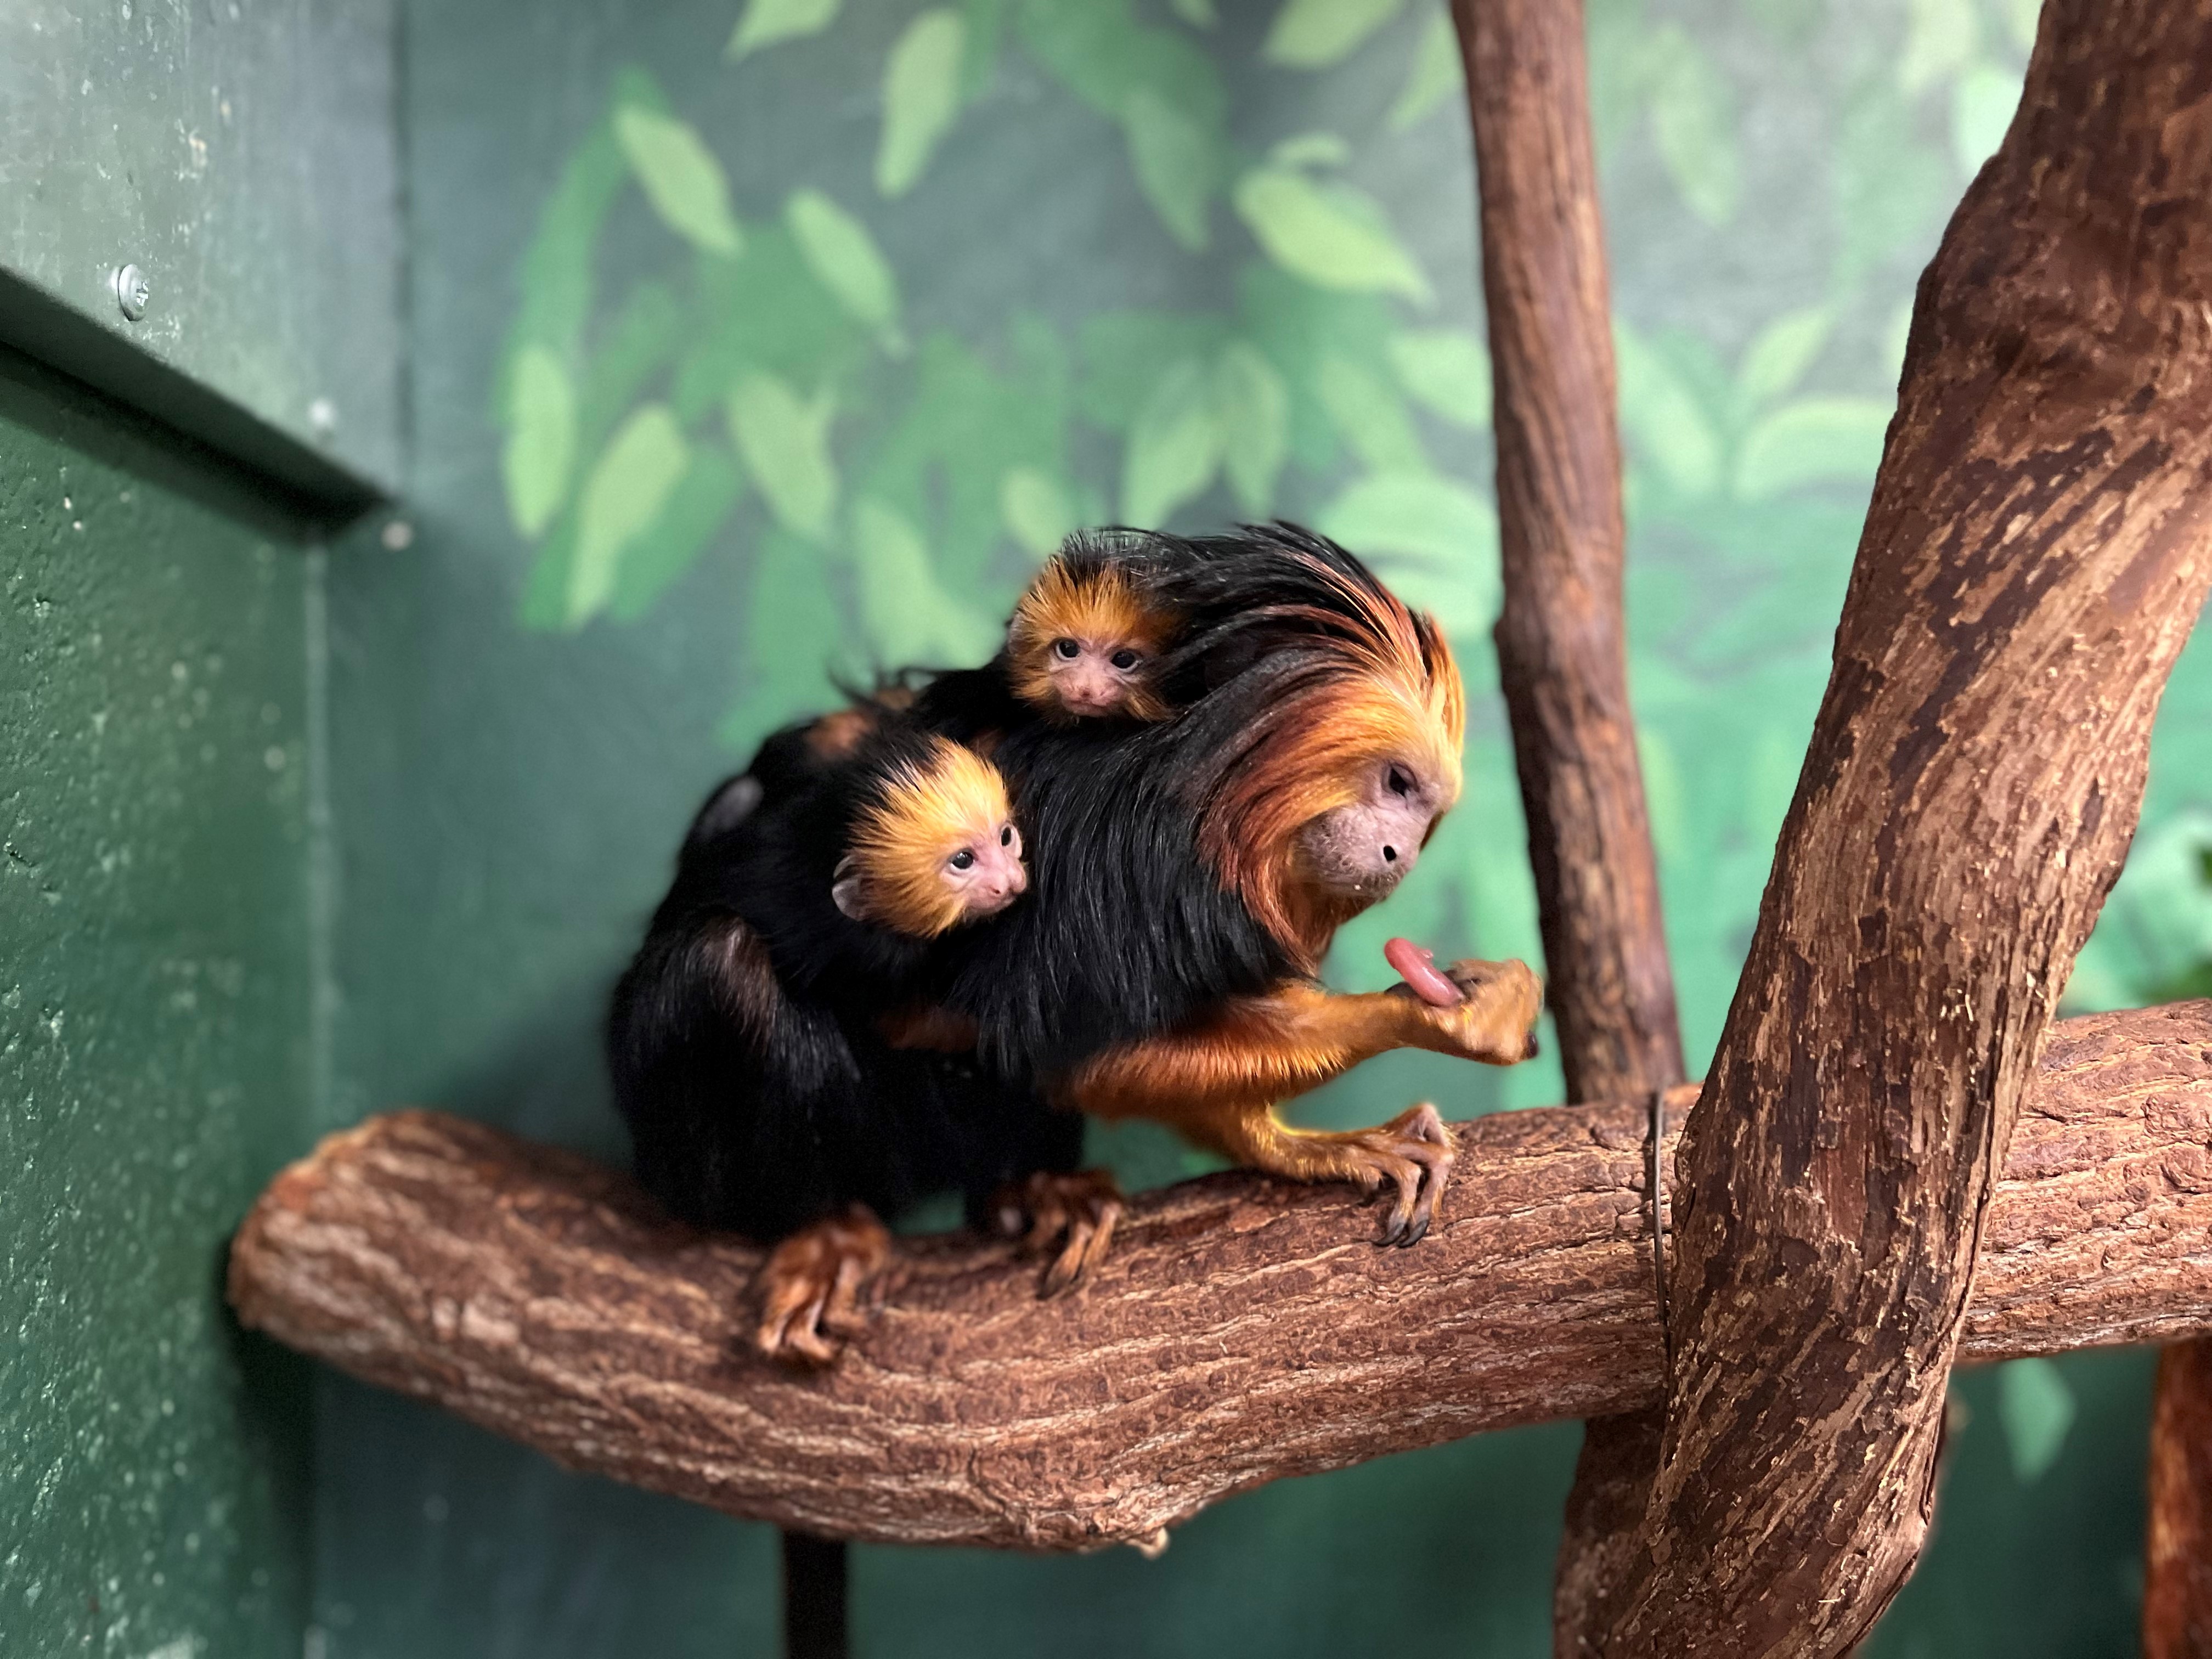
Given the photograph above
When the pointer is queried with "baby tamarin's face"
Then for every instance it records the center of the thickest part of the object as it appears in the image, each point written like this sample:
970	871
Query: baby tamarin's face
937	848
1085	642
983	874
1090	674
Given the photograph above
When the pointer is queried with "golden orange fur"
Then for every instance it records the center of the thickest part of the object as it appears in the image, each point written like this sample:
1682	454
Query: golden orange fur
1385	687
1101	605
924	815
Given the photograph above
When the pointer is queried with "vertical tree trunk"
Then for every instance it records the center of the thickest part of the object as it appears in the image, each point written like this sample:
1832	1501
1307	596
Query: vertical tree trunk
2039	542
2177	1555
1561	654
1561	646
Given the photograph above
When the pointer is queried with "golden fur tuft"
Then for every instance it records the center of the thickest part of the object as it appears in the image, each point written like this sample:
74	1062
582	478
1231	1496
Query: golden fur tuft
921	816
1101	605
1380	685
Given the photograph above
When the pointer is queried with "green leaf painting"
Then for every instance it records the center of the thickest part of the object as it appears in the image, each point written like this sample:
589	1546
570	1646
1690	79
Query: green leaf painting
541	441
2037	1409
681	177
922	96
1177	163
1434	538
1312	34
1810	440
628	487
1252	406
1438	73
1370	417
1782	351
1328	233
1940	39
908	617
1175	446
1446	371
766	22
845	259
1664	418
1694	119
1981	110
1036	510
785	442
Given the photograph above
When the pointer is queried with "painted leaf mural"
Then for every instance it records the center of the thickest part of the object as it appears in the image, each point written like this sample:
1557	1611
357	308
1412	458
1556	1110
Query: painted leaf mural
541	442
845	258
766	22
1329	234
681	177
628	487
785	441
921	97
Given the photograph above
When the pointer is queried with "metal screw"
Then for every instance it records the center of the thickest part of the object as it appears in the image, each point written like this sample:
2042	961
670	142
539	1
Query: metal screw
133	291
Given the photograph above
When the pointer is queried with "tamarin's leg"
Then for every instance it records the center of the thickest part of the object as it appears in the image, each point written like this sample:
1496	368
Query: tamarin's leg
811	1282
1218	1082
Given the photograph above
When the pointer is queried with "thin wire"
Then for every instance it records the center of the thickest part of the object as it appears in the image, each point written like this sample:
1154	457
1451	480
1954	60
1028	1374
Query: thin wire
1653	1166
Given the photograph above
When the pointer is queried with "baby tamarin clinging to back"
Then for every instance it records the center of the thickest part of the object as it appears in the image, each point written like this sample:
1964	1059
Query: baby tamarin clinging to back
1086	641
742	1039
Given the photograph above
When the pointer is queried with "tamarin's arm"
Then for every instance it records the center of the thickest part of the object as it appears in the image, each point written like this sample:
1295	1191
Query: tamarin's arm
1219	1082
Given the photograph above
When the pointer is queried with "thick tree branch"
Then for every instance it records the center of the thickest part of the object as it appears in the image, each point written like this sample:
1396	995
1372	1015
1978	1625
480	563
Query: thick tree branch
2038	544
1242	1330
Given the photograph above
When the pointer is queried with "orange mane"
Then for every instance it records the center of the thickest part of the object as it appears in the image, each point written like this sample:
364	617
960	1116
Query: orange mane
1377	684
1097	603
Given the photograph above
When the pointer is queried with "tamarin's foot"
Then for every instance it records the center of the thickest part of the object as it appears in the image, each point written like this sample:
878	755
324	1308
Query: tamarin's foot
1413	1153
1076	1212
811	1286
1494	1020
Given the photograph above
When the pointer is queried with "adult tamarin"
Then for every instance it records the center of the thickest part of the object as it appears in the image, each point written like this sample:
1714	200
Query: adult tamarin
1190	874
760	1095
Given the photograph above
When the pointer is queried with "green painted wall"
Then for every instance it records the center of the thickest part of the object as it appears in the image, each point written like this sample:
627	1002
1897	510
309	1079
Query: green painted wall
153	1034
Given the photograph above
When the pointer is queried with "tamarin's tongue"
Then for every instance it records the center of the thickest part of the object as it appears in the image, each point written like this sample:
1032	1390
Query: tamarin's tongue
1418	969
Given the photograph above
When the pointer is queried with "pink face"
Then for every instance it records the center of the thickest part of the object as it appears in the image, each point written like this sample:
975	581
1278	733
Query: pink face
985	874
1092	675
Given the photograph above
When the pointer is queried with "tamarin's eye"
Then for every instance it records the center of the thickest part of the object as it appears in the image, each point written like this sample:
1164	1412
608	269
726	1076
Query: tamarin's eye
1067	648
1401	781
963	859
1006	835
1124	658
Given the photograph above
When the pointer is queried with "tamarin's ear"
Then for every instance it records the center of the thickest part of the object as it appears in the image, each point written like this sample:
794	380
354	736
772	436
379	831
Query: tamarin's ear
845	890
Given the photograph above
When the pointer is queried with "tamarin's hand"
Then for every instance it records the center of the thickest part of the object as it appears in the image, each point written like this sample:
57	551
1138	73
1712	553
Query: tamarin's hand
1493	1018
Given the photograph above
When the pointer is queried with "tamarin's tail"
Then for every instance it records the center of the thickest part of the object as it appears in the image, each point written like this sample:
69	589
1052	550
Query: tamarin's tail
813	1597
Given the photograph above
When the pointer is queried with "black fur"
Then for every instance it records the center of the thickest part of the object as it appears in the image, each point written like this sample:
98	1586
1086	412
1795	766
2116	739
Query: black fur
758	1095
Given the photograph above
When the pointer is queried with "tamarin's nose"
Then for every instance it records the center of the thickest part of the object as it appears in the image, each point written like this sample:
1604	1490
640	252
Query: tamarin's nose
1390	854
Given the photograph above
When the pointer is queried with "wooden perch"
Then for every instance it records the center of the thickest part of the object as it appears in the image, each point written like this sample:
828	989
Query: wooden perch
1242	1329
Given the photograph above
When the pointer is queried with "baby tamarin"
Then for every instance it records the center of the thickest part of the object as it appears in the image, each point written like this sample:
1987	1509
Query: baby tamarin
760	1095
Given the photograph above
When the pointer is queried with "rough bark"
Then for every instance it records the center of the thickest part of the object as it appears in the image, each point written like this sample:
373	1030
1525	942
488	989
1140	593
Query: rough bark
2178	1553
1561	643
1562	658
2035	553
1243	1329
